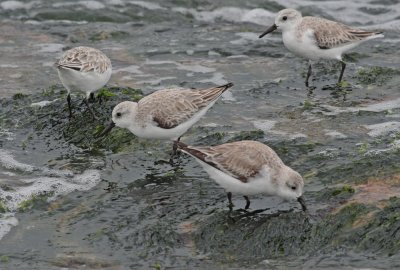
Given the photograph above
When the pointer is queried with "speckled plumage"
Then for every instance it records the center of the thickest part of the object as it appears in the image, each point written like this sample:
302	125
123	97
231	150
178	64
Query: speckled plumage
85	59
166	114
330	34
248	168
83	69
316	38
171	107
242	160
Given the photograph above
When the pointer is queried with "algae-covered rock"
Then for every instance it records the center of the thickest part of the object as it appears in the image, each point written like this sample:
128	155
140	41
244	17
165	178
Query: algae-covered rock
49	118
377	75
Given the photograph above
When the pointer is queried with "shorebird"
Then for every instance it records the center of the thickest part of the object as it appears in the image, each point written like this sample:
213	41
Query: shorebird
316	38
248	168
165	114
83	69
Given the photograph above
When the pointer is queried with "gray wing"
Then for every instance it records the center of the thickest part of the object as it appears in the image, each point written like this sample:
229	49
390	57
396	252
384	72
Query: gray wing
242	160
171	107
329	34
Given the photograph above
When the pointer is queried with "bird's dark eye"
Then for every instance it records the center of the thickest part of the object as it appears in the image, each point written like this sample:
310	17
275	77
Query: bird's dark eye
118	114
294	187
284	18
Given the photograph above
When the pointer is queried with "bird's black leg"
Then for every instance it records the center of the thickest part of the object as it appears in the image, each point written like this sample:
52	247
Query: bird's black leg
69	105
342	71
247	202
174	152
90	109
308	74
91	97
229	194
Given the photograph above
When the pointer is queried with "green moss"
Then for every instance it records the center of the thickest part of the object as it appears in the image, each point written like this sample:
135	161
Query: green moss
4	259
248	135
105	93
3	207
18	96
49	91
363	148
346	189
135	94
137	97
344	84
376	75
35	200
308	105
157	266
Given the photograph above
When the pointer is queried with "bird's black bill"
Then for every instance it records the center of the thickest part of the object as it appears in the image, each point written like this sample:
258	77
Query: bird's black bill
107	129
302	202
269	30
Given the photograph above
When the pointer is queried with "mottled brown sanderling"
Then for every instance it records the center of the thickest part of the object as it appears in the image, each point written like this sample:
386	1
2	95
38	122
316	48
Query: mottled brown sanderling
317	38
248	168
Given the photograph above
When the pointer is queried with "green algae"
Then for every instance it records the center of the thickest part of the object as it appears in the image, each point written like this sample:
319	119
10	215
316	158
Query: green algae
19	96
4	259
3	207
376	75
34	201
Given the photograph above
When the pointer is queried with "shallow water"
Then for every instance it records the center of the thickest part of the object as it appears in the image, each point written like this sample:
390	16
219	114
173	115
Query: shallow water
67	205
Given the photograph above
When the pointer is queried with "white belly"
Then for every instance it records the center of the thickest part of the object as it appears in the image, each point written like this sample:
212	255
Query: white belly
306	46
83	81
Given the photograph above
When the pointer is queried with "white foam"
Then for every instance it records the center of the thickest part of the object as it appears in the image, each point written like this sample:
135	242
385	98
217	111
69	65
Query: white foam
7	161
147	5
94	5
227	96
14	5
8	66
7	221
349	12
246	37
375	107
382	128
50	182
264	125
334	134
217	78
268	125
231	14
42	103
9	135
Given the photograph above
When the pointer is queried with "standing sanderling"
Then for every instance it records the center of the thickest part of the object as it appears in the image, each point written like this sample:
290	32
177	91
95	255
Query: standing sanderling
83	69
165	114
314	38
247	168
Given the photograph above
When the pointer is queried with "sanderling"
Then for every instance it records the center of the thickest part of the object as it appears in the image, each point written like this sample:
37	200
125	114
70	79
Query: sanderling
165	114
317	38
248	168
83	69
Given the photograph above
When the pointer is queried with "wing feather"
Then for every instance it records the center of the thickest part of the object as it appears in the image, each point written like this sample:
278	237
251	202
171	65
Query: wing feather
84	59
329	34
242	160
171	107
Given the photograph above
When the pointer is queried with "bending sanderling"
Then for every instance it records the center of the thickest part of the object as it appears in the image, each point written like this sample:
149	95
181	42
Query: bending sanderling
314	38
83	69
248	167
165	114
